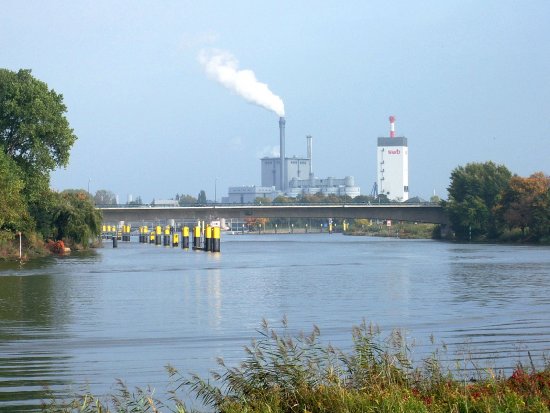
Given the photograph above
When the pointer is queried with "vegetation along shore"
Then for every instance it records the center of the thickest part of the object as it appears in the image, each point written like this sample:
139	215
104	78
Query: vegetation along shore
289	373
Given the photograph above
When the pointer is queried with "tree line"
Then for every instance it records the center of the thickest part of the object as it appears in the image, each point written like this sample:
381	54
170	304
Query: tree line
487	202
35	139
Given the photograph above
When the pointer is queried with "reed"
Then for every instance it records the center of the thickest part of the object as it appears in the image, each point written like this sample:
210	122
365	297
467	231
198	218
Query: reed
285	372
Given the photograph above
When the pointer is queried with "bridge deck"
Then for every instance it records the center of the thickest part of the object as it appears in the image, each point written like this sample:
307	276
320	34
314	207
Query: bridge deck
430	213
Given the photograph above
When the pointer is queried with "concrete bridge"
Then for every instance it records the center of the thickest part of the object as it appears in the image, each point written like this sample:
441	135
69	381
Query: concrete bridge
426	212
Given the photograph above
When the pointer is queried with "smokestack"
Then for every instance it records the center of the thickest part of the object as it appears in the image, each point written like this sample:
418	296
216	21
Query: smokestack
282	152
392	126
309	150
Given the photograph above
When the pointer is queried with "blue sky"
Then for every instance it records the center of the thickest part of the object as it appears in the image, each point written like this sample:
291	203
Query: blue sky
466	80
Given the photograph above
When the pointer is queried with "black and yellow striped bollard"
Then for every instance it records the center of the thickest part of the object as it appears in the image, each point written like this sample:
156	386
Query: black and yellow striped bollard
196	237
216	239
158	235
167	236
208	238
185	237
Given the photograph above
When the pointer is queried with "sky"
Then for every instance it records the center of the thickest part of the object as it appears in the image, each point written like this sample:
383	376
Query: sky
467	80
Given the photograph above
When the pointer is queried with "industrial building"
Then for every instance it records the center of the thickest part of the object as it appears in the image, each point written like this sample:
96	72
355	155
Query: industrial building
294	168
393	166
247	194
328	186
291	177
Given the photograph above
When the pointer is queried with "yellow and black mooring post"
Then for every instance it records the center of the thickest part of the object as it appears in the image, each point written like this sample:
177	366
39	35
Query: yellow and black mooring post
185	237
175	239
208	238
216	239
196	237
158	235
167	236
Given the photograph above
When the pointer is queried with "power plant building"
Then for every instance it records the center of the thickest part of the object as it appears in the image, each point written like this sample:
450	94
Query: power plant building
328	186
247	194
294	168
290	176
393	166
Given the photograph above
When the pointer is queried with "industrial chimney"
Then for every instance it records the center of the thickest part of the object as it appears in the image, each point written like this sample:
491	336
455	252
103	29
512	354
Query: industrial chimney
392	126
282	152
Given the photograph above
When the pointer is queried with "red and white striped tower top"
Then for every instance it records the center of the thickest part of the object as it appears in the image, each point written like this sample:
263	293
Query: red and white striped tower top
392	126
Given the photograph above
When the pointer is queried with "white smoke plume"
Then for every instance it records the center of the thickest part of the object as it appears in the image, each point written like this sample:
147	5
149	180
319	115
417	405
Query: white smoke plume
224	68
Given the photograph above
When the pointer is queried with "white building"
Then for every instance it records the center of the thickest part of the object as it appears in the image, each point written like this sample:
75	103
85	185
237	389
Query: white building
393	168
295	168
248	194
328	186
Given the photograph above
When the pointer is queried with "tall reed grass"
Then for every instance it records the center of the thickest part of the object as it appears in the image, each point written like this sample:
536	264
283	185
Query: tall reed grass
284	372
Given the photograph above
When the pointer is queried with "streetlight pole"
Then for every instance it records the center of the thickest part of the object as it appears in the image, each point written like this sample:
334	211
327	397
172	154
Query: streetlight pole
215	190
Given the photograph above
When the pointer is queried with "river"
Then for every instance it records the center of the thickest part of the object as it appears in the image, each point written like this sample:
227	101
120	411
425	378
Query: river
84	320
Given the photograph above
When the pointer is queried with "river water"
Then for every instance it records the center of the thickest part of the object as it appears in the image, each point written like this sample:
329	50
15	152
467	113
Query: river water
84	320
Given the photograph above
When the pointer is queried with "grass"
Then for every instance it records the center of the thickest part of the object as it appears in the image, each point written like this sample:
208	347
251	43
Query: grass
289	373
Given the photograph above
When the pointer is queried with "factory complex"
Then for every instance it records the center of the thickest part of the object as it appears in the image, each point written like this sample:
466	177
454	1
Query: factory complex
293	176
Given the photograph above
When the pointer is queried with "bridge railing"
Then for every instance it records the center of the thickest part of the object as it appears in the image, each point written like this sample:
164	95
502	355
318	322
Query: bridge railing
250	204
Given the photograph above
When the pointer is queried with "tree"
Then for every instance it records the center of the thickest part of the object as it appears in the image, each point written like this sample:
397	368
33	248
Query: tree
283	200
188	200
14	214
104	197
525	203
34	131
255	223
261	200
136	201
201	199
474	193
76	220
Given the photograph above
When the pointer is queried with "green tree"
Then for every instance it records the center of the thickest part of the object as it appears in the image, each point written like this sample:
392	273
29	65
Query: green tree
187	200
201	199
34	131
474	193
13	208
76	220
284	200
104	197
35	135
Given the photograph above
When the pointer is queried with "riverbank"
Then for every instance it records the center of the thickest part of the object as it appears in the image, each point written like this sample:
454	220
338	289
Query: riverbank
31	247
297	373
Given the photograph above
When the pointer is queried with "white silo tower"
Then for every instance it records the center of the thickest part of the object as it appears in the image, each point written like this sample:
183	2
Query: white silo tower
393	165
